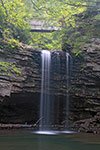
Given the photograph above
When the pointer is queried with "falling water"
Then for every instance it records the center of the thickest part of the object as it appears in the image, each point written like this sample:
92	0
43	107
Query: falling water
48	114
67	87
57	117
45	92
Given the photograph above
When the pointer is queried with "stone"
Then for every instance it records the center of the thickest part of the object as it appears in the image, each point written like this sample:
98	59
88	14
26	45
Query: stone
5	88
86	83
20	94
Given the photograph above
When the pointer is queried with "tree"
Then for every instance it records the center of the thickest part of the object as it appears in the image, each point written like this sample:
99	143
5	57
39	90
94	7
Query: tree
87	27
55	13
14	17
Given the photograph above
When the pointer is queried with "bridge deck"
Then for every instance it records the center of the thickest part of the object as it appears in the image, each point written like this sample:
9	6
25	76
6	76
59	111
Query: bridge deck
41	26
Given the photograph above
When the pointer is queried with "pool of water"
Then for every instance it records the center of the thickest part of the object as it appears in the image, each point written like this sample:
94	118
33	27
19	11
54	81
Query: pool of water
26	140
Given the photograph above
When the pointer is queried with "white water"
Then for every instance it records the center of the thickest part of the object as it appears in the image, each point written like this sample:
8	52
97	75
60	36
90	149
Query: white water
54	132
45	91
67	94
46	102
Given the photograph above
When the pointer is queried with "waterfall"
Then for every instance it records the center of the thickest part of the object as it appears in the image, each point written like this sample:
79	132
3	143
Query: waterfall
45	91
67	86
50	112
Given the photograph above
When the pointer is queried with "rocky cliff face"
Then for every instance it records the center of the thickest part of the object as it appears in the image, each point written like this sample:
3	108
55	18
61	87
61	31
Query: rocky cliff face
20	84
85	91
28	62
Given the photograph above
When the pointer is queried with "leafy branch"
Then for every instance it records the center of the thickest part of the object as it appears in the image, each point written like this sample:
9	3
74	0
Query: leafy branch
3	5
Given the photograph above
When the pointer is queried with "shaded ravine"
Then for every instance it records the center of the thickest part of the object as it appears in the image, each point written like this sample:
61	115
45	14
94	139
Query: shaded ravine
20	94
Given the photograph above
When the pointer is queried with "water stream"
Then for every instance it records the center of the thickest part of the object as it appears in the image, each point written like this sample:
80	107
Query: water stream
47	112
45	92
67	94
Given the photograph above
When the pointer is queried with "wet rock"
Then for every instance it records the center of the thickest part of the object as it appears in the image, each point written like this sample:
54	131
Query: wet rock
91	125
5	88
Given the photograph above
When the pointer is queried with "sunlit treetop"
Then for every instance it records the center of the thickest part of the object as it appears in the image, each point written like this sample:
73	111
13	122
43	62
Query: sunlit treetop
14	18
58	12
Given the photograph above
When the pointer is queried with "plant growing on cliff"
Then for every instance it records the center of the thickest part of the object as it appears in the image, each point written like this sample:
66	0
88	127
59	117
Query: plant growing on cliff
87	27
7	68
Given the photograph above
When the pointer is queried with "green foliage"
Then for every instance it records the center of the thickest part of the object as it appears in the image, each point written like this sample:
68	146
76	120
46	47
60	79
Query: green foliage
14	18
47	40
76	18
79	20
57	12
87	27
97	17
7	68
12	43
9	44
54	13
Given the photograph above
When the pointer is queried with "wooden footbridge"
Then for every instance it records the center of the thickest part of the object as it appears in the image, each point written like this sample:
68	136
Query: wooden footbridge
42	26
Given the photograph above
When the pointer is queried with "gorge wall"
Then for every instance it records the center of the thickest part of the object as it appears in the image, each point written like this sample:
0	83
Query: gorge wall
20	90
86	88
18	104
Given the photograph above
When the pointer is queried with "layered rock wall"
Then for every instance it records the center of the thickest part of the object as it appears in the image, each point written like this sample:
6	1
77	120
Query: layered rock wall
18	83
20	92
86	85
